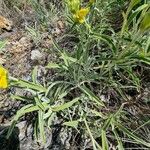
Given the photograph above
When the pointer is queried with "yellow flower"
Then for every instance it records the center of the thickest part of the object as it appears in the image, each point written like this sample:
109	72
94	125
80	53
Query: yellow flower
3	78
80	15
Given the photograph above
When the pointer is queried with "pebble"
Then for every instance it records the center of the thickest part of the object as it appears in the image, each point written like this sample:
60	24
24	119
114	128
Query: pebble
36	55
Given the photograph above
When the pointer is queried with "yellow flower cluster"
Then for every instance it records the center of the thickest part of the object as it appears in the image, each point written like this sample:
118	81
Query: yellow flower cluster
79	14
3	78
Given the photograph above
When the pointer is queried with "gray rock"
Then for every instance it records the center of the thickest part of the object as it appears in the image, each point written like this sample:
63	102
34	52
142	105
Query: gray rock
36	55
27	142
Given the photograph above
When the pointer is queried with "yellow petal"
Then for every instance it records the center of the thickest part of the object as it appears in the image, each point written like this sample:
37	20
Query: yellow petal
81	14
3	78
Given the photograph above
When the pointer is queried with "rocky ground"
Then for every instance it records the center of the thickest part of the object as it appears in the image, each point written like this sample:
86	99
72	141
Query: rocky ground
21	54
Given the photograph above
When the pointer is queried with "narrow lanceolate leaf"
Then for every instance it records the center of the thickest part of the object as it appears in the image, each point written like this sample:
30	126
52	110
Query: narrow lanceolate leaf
22	111
34	74
52	85
91	95
132	4
96	146
2	44
107	123
104	141
65	106
48	114
107	39
148	45
99	114
36	129
143	59
39	103
125	15
27	84
136	12
52	66
73	124
145	24
120	145
11	128
31	109
131	135
21	98
26	109
67	59
41	126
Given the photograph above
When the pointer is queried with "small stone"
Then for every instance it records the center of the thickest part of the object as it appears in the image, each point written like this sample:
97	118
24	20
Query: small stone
2	61
60	25
6	103
36	55
21	126
56	31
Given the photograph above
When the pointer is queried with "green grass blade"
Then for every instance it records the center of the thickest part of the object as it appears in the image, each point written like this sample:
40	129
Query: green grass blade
104	141
65	106
26	84
73	124
34	74
120	145
94	143
10	130
41	126
91	95
131	135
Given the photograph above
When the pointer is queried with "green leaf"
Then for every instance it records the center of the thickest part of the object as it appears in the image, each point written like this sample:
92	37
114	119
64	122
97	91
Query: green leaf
36	129
104	141
145	23
132	4
34	74
50	119
41	126
10	130
52	85
2	44
52	66
48	114
26	109
91	95
143	59
99	114
27	84
107	123
131	135
22	111
65	106
73	124
107	39
21	98
94	143
120	145
64	57
148	45
67	59
39	103
125	15
136	12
